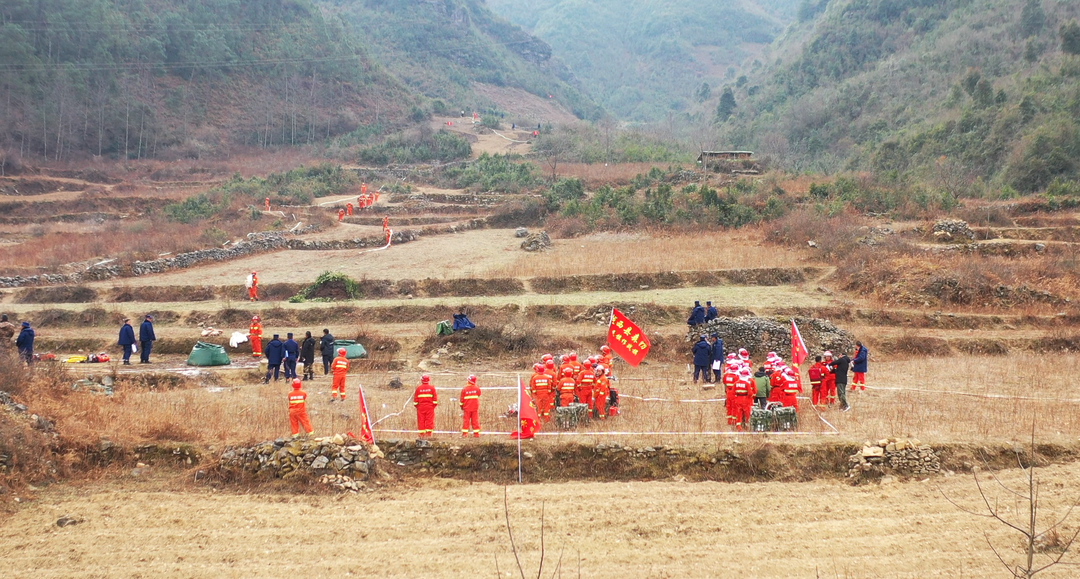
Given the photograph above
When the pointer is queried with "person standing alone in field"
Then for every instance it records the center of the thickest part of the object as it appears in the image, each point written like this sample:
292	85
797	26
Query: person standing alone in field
326	347
341	369
127	340
858	366
25	343
425	399
253	286
470	407
146	338
307	356
298	415
255	337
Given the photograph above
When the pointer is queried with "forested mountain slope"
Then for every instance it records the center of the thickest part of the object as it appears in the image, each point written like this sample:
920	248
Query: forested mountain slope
645	59
965	93
161	78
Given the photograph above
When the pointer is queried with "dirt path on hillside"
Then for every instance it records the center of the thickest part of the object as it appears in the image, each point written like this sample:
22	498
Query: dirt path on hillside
450	529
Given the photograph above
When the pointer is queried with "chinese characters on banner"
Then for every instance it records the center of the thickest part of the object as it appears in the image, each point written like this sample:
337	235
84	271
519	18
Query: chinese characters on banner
626	339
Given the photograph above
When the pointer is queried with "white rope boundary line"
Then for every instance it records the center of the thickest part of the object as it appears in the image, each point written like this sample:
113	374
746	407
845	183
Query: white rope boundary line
974	395
389	240
627	433
508	138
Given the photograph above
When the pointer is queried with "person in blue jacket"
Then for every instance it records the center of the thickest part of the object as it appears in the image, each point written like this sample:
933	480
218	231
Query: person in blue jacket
702	358
697	315
25	343
858	366
146	338
718	357
710	312
127	340
292	353
275	353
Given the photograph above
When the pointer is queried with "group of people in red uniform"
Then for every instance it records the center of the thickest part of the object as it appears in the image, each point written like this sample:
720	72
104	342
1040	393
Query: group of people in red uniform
587	382
426	399
363	201
775	381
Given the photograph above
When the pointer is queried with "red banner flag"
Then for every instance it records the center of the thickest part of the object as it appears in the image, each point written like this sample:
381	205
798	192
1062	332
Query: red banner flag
626	339
798	346
365	420
528	419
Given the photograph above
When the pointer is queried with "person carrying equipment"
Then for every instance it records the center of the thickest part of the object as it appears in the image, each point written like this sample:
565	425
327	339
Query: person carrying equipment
340	365
255	337
817	373
298	415
253	287
541	387
586	382
425	399
601	392
567	385
470	406
275	354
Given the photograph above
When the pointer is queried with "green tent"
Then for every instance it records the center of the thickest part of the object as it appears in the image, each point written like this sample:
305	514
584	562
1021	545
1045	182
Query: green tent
353	349
204	354
444	328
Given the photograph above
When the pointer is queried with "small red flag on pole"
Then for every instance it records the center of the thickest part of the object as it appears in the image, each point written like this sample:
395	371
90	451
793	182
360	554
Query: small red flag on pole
626	339
365	420
528	419
799	353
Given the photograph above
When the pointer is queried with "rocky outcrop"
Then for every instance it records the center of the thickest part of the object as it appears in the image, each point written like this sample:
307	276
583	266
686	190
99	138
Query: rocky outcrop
893	456
536	242
282	458
761	335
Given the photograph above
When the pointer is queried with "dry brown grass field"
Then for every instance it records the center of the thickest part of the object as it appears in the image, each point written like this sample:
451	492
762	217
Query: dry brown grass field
924	383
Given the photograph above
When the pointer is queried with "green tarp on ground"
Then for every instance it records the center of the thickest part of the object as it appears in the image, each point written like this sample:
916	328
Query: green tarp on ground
353	350
444	328
204	354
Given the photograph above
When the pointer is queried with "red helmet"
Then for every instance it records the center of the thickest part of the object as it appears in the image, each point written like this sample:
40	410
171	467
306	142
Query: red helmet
600	369
568	371
538	367
605	348
828	354
425	379
472	379
573	356
296	384
254	318
254	272
547	357
341	351
549	364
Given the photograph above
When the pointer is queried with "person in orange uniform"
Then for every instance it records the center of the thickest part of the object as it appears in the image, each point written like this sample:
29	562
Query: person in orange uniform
744	392
776	383
268	204
601	392
298	410
542	393
341	215
586	381
470	405
340	366
606	357
567	385
792	388
425	399
817	373
255	337
348	208
828	383
253	287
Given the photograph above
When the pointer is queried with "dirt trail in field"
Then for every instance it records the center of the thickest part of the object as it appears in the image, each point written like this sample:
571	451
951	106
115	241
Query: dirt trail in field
449	529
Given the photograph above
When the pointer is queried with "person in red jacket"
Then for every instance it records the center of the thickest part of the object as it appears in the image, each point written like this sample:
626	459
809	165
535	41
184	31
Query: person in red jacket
341	215
828	382
730	378
606	357
817	373
542	392
425	399
348	208
601	392
340	366
298	415
776	383
792	388
586	381
744	392
470	405
567	385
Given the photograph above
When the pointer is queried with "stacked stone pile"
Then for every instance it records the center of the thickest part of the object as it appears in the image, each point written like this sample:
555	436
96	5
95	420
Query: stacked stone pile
955	230
894	456
335	455
761	335
536	242
342	483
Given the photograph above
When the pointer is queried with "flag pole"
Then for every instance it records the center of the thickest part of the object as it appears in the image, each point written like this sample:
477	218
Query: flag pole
519	429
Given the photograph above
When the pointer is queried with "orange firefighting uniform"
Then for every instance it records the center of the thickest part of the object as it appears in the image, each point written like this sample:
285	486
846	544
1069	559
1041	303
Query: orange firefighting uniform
817	373
729	379
606	360
586	381
340	366
791	389
255	337
268	204
298	411
348	209
776	386
543	394
601	392
470	405
744	392
425	399
828	384
340	214
253	291
567	385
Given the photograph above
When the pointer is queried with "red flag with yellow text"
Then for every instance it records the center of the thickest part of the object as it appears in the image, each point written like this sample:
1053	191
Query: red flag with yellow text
626	339
799	352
